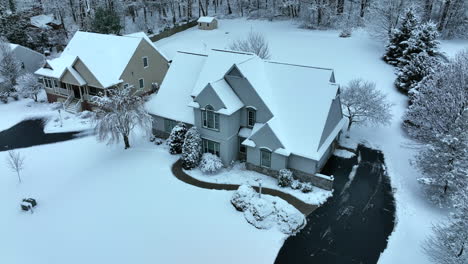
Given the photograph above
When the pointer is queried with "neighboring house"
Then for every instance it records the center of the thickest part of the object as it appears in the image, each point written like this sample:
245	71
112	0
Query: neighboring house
273	115
45	22
29	59
207	23
91	63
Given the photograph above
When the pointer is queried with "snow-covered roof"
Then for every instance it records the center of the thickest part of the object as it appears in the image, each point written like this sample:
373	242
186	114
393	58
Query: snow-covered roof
231	101
106	56
205	19
299	97
173	98
41	21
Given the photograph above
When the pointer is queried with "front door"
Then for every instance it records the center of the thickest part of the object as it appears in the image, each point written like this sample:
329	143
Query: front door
76	91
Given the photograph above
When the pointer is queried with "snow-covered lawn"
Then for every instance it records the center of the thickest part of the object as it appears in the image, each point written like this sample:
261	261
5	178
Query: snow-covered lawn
103	204
355	57
238	174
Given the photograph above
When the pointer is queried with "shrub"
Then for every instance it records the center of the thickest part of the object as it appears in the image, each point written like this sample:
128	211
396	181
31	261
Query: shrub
307	187
289	219
285	177
241	198
345	33
296	185
260	213
158	141
86	114
191	149
210	163
177	137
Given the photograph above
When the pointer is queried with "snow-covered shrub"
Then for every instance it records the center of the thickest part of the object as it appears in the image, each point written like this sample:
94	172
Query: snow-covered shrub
158	141
14	95
176	139
210	163
4	98
296	185
288	218
241	198
152	138
29	86
191	149
285	177
307	187
85	114
260	213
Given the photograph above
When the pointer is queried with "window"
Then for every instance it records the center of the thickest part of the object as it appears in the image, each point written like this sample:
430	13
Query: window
169	125
145	62
125	85
210	119
55	83
142	83
94	90
242	148
251	117
210	147
22	65
208	24
265	158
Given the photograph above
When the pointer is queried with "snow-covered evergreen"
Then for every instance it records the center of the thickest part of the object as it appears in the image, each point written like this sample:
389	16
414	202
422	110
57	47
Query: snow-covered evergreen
420	66
176	138
399	37
118	114
423	39
191	149
10	67
285	177
438	117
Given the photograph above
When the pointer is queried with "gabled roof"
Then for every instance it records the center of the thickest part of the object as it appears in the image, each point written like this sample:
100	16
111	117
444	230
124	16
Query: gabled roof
106	56
173	98
205	19
299	97
144	36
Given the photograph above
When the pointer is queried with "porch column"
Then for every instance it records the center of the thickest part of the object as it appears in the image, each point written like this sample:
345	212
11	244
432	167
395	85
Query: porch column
81	93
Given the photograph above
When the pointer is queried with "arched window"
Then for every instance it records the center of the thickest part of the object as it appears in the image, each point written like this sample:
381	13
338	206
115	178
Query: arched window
210	119
265	158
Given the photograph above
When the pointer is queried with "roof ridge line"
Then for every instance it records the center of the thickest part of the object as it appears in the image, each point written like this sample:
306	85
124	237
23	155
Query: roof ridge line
192	53
299	65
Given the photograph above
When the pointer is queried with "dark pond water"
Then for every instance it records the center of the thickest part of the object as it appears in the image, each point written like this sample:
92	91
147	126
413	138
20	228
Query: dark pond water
354	225
30	133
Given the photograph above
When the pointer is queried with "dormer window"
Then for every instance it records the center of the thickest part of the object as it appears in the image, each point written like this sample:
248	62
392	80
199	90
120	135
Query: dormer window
251	117
210	119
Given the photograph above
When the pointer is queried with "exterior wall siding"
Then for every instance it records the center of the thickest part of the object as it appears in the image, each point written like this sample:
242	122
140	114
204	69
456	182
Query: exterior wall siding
208	26
86	74
135	70
209	97
32	60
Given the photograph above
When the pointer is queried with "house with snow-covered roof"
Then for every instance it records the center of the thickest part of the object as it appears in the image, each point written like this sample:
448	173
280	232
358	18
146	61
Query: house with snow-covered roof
207	23
29	59
91	63
270	114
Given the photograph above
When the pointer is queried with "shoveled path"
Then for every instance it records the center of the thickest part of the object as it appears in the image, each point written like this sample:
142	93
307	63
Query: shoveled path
177	170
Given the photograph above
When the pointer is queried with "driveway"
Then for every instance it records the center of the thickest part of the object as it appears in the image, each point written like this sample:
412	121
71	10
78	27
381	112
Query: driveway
354	225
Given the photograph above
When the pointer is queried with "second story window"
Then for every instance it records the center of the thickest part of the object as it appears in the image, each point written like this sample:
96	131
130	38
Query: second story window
210	119
145	62
251	117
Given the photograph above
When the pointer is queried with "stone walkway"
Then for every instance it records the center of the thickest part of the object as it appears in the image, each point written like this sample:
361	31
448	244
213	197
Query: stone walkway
178	172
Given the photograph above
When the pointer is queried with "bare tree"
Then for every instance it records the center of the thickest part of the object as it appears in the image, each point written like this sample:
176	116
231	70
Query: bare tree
255	42
16	162
118	114
28	85
362	102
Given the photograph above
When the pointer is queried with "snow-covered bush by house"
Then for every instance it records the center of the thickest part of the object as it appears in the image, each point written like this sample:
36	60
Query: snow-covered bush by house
307	187
296	185
285	177
267	211
191	149
176	139
86	114
261	213
210	163
288	218
241	198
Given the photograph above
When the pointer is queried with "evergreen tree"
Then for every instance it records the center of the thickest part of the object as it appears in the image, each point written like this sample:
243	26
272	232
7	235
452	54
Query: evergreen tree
424	39
420	66
106	21
398	40
191	149
177	137
10	67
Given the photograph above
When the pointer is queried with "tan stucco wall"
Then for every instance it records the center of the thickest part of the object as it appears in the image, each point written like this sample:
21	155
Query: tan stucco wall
86	74
155	72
